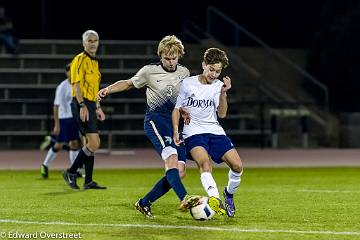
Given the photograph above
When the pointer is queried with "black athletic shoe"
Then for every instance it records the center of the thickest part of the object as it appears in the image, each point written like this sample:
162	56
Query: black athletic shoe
93	185
70	179
44	171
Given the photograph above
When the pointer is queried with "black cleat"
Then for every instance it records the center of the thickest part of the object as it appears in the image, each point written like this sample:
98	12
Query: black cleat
44	171
146	210
70	179
93	185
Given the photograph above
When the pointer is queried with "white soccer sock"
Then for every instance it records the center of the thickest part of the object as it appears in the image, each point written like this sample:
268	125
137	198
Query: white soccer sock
234	181
50	156
209	184
72	155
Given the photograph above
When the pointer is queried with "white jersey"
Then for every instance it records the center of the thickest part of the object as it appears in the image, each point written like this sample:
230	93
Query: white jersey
162	87
201	100
63	99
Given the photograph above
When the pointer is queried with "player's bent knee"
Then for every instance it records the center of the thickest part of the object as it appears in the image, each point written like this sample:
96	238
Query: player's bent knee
237	168
74	145
167	152
93	141
204	165
58	146
93	146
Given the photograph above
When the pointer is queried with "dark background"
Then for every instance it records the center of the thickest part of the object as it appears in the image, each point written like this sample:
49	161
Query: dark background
278	22
329	30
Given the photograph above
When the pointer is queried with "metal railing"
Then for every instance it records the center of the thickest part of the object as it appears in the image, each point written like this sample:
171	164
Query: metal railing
253	121
237	29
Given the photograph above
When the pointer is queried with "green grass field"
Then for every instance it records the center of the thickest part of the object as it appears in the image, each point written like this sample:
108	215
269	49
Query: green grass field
272	203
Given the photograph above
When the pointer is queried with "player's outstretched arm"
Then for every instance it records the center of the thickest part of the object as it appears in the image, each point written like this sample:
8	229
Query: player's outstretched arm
119	86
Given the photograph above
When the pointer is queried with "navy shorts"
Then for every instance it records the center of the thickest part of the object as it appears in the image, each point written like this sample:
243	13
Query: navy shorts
69	130
159	131
215	145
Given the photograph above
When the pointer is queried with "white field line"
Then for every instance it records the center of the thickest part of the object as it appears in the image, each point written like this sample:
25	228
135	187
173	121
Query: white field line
156	226
327	191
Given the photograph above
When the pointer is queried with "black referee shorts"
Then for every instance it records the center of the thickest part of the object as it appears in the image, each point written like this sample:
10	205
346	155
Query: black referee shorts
90	126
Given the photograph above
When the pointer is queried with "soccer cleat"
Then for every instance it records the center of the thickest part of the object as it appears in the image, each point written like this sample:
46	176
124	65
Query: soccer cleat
44	171
70	179
188	202
47	143
93	185
216	205
146	210
229	203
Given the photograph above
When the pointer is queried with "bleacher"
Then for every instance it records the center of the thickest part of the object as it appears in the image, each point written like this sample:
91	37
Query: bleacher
28	81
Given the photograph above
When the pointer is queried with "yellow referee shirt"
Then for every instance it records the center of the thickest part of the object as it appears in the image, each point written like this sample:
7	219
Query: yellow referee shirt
85	70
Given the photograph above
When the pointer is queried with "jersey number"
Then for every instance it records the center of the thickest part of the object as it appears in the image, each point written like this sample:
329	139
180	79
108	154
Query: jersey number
169	91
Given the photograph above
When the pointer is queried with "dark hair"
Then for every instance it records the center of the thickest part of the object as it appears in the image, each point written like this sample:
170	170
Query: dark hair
67	67
215	55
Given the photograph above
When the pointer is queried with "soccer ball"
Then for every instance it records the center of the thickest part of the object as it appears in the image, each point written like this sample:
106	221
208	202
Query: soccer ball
202	211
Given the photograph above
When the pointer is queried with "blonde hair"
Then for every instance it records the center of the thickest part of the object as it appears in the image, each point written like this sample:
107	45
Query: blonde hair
87	33
170	45
215	55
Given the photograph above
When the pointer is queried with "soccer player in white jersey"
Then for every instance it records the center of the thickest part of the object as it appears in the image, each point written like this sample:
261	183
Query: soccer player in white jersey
205	97
162	81
65	127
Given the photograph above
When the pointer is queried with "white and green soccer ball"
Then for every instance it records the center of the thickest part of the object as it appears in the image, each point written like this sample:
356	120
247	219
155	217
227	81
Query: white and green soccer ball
202	211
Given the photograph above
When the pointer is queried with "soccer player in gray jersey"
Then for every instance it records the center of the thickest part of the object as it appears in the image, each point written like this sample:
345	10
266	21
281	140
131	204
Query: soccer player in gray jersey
205	98
162	81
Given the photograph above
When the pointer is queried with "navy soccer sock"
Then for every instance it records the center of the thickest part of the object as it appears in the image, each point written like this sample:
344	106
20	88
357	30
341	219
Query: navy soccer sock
160	188
173	177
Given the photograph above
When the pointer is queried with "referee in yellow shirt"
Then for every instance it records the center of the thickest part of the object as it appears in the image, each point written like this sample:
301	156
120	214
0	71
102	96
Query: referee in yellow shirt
85	81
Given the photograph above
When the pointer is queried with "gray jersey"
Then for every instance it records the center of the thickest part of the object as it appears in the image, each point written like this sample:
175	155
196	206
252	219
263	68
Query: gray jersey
162	87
